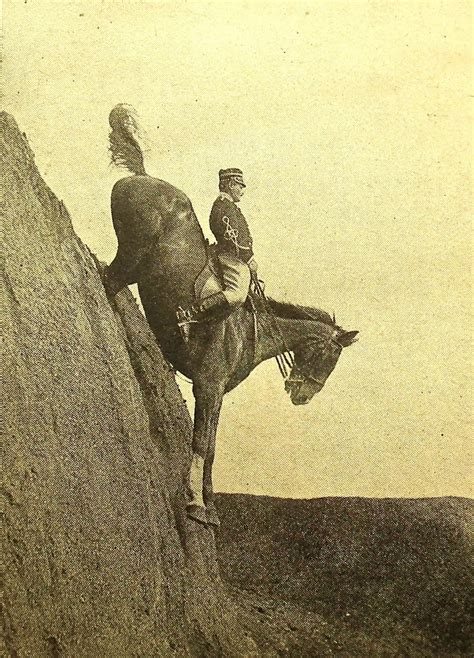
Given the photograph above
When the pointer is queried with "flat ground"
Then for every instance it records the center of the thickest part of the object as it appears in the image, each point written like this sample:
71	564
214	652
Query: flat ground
350	576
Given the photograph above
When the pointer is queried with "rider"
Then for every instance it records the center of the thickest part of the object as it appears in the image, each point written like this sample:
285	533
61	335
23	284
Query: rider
234	253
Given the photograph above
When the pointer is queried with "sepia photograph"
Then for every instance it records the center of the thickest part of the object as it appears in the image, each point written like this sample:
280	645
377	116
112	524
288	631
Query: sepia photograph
237	362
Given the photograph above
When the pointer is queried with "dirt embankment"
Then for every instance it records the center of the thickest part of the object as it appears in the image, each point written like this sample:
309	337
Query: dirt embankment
100	557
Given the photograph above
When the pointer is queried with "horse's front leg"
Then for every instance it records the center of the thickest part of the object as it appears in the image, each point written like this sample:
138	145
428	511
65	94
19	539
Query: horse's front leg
211	511
208	403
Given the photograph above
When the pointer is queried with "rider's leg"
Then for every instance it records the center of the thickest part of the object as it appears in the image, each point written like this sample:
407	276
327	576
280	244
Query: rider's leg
236	278
206	308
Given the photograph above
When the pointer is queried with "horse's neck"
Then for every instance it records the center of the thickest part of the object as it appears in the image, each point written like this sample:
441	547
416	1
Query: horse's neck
283	335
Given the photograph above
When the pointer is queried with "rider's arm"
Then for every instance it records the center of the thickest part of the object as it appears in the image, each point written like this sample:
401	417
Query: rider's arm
232	232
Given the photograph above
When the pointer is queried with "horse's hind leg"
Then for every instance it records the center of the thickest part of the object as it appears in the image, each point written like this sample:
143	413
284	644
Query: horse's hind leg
137	228
125	267
115	278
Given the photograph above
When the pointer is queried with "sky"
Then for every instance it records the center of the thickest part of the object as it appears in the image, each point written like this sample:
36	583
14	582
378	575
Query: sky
350	120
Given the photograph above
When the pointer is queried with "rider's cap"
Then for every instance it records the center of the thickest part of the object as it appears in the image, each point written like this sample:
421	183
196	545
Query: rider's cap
232	174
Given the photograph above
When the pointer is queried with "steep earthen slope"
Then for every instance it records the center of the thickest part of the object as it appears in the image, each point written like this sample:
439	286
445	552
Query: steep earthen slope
101	559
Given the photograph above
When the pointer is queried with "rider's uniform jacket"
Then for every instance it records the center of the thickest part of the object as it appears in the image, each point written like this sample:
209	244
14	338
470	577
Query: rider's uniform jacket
230	228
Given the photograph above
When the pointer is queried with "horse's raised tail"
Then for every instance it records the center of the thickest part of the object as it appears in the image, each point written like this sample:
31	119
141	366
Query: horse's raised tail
125	151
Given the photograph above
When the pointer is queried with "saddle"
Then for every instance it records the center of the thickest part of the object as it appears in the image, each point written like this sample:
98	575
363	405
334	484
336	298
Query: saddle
209	280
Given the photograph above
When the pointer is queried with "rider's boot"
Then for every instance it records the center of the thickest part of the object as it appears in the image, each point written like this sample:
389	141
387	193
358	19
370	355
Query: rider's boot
209	308
195	507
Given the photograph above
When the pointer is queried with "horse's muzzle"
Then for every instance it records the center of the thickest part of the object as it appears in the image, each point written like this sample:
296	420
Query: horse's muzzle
302	392
298	400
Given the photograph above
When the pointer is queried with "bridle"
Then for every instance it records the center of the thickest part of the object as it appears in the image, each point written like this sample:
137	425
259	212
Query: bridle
286	360
305	375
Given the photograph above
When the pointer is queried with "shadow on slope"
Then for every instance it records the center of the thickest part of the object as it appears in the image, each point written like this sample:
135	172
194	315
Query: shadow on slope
392	569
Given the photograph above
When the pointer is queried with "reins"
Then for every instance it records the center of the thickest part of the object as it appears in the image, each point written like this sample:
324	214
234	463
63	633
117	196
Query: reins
285	360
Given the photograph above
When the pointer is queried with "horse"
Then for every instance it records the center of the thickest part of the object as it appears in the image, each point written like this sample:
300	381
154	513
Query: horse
162	248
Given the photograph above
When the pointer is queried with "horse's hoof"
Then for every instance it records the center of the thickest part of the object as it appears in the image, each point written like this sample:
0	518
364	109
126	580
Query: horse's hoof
197	513
212	516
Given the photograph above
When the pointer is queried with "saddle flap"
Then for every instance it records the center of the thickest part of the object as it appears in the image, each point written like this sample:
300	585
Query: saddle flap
208	281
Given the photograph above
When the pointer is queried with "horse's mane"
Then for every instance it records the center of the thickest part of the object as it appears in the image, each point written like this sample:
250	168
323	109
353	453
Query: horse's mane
295	311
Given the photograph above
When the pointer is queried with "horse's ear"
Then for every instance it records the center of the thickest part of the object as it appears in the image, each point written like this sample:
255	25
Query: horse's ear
347	338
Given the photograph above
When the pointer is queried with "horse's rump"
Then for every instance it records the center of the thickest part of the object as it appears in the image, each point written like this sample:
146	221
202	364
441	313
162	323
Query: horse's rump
147	212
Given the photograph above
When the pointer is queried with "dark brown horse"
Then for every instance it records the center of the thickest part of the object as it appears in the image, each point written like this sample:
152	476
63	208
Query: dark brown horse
162	248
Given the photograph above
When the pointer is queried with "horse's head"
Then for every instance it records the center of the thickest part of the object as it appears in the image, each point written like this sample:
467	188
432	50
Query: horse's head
314	361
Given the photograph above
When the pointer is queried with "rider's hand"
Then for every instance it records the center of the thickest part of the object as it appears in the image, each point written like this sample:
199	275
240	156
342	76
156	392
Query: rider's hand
253	265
